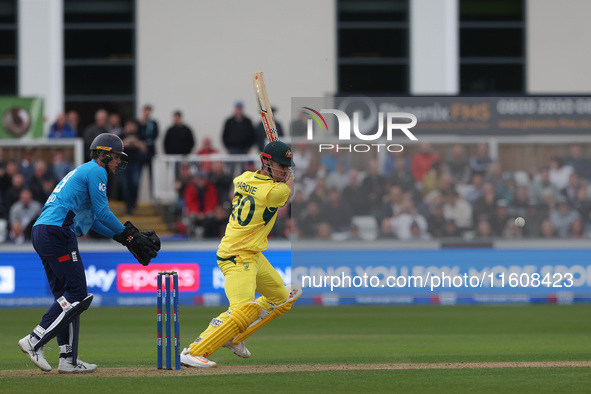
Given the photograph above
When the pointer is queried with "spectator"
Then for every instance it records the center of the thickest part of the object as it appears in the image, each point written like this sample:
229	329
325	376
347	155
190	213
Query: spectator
183	178
457	165
23	214
206	150
386	230
541	183
238	133
402	176
261	134
486	205
374	186
417	233
215	225
511	230
73	120
533	219
392	205
547	229
6	176
337	212
570	191
299	127
479	163
136	150
392	163
559	173
582	204
562	217
328	161
27	164
179	137
518	206
459	210
114	124
42	183
451	230
61	128
499	221
548	203
222	181
422	160
402	224
433	178
148	131
301	155
475	191
309	220
340	178
576	229
320	193
580	165
308	178
12	194
59	166
436	221
200	200
355	195
91	132
324	231
484	229
494	175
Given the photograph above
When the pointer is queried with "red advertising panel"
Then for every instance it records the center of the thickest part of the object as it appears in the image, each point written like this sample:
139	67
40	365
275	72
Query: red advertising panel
139	279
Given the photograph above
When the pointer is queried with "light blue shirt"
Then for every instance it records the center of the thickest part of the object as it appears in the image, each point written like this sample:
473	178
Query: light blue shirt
79	201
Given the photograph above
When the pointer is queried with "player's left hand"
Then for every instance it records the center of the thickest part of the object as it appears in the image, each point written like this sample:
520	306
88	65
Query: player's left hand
144	246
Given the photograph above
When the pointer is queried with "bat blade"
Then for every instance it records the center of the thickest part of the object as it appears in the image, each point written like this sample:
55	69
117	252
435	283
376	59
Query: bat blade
262	99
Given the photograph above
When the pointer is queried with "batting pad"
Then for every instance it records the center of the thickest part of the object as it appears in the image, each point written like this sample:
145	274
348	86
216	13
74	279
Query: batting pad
238	321
294	293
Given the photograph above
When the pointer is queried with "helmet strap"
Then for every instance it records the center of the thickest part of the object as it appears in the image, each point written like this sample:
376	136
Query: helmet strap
105	158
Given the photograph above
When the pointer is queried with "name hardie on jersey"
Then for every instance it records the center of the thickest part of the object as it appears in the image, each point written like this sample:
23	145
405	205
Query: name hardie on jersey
245	187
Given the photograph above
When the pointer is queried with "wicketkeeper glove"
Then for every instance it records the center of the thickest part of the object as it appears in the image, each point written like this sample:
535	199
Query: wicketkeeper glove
144	246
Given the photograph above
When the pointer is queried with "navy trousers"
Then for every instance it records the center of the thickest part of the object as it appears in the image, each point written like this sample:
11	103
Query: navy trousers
58	249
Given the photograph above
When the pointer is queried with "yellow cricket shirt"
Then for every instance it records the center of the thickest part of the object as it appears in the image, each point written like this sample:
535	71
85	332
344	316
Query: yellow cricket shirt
254	211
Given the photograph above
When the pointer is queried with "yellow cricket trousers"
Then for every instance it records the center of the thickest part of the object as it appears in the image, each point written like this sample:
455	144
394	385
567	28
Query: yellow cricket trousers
246	274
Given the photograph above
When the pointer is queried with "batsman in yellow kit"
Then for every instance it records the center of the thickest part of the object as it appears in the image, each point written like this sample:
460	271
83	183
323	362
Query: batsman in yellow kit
258	195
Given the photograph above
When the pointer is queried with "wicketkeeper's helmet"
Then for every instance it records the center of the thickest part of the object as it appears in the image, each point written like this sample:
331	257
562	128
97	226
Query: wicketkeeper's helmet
109	143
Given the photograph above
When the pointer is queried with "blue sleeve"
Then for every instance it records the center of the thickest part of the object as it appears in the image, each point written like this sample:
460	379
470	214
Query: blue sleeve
97	188
102	230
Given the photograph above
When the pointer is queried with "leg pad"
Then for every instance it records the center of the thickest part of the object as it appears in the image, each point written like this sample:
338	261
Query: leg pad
294	293
238	321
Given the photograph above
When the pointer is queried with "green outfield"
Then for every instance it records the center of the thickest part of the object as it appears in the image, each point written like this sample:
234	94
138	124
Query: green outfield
313	349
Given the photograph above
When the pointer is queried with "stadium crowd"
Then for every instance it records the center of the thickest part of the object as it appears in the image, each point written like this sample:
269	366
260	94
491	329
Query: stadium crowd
429	194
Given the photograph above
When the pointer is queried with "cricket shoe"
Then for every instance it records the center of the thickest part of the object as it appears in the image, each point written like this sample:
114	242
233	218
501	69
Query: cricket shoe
189	360
66	366
36	356
240	350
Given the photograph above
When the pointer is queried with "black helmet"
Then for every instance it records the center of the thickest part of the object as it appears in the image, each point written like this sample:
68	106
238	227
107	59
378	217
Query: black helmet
279	152
108	142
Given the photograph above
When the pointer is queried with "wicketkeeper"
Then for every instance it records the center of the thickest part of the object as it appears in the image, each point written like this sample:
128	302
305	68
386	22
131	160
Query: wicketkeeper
77	204
258	195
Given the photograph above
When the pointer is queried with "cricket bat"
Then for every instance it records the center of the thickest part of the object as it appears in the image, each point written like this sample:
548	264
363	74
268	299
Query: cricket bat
260	92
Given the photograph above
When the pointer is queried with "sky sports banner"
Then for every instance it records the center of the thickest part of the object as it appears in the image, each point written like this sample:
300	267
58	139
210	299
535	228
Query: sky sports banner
117	279
368	120
21	117
328	277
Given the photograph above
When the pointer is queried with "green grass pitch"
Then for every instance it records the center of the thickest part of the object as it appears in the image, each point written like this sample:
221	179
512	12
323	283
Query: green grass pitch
125	338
